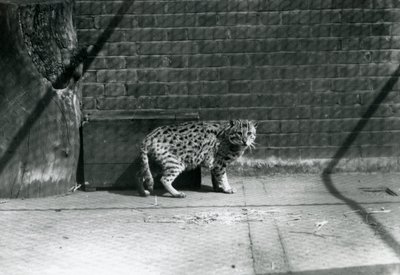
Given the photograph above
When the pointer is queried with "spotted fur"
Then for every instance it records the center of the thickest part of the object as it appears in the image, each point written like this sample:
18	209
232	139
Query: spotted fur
177	148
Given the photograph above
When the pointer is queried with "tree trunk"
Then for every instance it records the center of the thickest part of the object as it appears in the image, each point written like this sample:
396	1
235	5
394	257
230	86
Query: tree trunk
39	105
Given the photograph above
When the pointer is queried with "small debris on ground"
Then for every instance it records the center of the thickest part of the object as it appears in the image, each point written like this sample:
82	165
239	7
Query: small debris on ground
319	225
74	188
1	202
382	210
349	212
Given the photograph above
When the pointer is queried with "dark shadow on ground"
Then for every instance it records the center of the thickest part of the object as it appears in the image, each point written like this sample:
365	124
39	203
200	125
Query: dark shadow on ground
372	222
128	180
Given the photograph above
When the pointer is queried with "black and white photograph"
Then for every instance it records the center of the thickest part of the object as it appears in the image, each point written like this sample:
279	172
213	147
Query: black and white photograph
180	137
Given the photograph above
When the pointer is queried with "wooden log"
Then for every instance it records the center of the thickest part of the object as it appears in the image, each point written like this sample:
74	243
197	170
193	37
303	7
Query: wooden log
39	105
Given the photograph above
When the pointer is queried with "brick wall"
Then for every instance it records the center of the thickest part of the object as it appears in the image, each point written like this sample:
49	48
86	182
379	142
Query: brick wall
307	70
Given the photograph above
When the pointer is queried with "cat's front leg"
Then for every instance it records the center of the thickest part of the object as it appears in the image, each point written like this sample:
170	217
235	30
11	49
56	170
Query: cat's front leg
220	181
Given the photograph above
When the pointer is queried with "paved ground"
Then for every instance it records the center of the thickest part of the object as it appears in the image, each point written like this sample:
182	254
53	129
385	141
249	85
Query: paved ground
275	224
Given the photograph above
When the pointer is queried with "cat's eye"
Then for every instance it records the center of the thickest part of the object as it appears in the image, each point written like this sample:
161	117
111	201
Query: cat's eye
249	133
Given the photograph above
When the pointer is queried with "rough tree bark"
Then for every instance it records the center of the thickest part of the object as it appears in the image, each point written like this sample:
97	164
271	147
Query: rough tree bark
39	104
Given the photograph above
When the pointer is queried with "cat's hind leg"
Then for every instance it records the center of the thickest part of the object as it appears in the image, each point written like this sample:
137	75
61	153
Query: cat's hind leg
171	168
168	177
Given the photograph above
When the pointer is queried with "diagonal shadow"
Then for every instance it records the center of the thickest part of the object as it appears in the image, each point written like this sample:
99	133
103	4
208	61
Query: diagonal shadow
385	235
78	58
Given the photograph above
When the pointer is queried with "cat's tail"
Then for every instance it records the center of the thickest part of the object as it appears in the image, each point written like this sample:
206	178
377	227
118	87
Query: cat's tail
146	180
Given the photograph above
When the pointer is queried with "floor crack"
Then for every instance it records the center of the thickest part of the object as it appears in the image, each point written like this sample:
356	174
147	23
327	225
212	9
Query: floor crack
283	246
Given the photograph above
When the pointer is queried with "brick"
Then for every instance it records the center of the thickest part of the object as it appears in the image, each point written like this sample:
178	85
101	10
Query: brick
289	126
148	34
114	89
209	33
83	22
239	73
176	61
89	103
105	63
167	48
234	19
148	7
239	87
118	49
201	61
350	30
349	70
116	103
270	18
281	85
176	20
296	18
208	74
170	75
117	76
206	47
320	4
321	44
351	4
146	21
176	88
207	87
179	7
92	89
206	20
115	21
146	89
89	8
239	60
239	46
378	69
168	102
349	57
177	75
320	31
376	16
95	36
321	85
268	126
154	61
287	5
177	34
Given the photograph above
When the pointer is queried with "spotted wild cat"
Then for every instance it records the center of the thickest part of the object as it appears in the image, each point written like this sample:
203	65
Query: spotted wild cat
186	146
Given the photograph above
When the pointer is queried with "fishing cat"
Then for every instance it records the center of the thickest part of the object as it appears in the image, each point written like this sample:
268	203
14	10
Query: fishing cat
177	148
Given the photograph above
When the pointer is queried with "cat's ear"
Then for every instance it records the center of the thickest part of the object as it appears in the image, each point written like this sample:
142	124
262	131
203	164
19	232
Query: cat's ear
255	123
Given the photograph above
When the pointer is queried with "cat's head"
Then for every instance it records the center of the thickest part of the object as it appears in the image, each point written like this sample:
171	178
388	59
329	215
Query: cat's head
242	132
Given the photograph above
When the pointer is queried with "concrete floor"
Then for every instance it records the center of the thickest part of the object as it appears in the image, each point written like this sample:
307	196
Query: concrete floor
274	224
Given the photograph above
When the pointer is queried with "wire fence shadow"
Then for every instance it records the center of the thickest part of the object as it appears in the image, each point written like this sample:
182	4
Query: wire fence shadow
385	235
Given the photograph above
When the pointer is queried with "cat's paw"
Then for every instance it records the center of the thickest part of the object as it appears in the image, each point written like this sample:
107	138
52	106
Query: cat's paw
180	195
230	191
145	193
